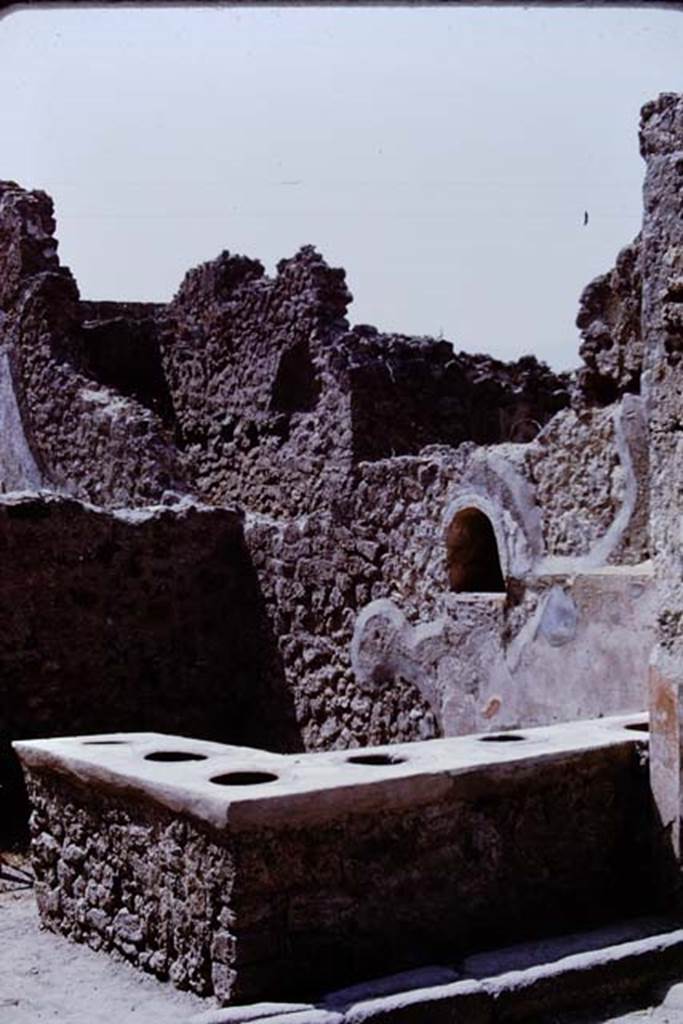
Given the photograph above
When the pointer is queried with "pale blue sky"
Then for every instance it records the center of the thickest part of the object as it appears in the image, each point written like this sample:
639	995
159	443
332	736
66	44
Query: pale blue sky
443	156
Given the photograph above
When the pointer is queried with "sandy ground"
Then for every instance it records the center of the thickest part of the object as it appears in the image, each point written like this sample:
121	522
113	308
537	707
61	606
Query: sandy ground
44	977
654	1015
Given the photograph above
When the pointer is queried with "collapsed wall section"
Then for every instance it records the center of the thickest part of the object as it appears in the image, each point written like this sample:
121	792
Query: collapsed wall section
407	393
84	438
121	350
255	390
609	319
249	362
277	400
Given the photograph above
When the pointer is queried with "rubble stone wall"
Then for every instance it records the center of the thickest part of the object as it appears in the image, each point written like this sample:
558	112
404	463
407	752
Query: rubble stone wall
351	450
276	398
315	576
121	350
84	439
407	393
609	319
249	364
661	144
589	470
323	576
139	619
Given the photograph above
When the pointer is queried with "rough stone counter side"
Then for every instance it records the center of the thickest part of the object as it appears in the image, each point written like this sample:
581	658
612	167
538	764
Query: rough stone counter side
333	867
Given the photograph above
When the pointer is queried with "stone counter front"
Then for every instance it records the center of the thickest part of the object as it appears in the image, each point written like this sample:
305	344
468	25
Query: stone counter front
253	875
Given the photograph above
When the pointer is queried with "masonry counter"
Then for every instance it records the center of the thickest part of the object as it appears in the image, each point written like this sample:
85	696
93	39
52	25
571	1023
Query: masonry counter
251	875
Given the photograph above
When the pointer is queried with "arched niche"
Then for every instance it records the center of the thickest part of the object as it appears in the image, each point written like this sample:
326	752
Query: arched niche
296	387
472	558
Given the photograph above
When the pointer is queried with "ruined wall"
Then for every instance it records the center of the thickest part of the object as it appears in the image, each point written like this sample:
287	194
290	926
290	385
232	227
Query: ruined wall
589	469
610	322
121	350
139	619
407	393
360	597
352	451
276	398
83	438
569	639
661	143
315	576
244	388
249	364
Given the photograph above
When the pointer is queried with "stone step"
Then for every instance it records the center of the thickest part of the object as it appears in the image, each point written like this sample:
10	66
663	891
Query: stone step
629	960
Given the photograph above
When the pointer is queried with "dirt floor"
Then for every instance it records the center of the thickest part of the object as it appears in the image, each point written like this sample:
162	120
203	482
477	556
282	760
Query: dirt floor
44	977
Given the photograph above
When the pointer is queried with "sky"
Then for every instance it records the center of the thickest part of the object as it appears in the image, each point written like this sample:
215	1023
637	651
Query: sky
444	156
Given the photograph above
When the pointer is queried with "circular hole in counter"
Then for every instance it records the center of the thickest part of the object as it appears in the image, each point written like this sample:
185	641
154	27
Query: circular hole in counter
376	759
170	756
501	737
638	727
243	778
104	743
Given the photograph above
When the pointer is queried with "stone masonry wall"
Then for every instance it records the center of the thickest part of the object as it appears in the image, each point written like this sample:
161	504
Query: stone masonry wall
83	438
136	620
407	393
256	391
121	350
661	144
388	543
134	880
248	362
315	576
609	319
589	469
276	398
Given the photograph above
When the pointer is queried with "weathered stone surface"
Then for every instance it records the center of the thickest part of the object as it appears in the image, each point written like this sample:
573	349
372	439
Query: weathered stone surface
147	618
83	438
121	350
310	886
277	399
661	143
352	452
610	322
